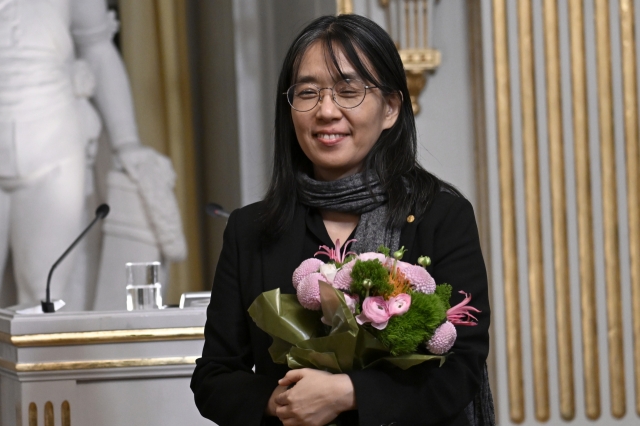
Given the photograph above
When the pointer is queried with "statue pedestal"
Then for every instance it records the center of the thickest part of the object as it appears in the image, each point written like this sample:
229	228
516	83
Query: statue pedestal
99	368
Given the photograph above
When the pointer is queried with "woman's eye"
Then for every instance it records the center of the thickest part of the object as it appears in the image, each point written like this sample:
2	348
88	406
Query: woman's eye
348	93
307	94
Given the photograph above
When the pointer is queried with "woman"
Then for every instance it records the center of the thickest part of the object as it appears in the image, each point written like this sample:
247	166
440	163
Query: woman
344	167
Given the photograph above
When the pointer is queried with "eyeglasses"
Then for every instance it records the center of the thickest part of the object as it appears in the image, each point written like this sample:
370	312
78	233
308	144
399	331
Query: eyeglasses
345	93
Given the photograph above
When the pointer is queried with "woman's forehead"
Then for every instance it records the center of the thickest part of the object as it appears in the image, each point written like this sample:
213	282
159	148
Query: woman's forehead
317	64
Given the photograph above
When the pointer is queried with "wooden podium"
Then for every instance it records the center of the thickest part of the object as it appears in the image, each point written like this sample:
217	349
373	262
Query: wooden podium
99	368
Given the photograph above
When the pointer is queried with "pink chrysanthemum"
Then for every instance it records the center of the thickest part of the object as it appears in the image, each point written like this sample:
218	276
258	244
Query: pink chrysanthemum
443	339
419	278
308	291
342	279
307	267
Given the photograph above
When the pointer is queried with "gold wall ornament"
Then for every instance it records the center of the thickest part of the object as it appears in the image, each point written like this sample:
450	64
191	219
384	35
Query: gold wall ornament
415	82
588	306
48	414
532	207
559	212
108	336
33	414
344	7
65	413
408	20
508	213
96	364
632	149
610	211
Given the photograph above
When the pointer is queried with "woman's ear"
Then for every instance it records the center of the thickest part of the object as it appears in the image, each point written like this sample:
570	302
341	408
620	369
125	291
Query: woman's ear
393	104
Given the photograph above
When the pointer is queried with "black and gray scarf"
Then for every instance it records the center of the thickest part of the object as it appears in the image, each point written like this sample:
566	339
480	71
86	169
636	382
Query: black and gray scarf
352	195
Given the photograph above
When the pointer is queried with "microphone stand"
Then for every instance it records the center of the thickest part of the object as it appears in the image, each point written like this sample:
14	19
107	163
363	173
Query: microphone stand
101	212
216	210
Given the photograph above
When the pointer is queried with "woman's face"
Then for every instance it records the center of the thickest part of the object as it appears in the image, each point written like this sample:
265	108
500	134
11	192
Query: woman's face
337	140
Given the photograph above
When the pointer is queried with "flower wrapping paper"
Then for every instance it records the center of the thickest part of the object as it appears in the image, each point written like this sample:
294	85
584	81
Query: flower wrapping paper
300	340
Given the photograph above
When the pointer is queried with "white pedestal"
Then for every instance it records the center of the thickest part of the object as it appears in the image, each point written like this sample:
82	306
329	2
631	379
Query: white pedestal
99	368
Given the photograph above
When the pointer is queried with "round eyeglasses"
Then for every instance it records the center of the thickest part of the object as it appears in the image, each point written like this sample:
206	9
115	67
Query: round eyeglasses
345	93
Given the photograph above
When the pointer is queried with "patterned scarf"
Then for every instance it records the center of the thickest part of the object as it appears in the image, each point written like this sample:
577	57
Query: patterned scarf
352	195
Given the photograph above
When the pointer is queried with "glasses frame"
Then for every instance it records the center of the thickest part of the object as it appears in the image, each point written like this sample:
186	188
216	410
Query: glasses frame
333	94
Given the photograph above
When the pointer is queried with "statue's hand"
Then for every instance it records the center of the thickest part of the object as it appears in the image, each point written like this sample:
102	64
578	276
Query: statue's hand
153	174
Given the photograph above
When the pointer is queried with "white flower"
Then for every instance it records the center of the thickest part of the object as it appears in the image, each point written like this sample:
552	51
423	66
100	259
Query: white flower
328	270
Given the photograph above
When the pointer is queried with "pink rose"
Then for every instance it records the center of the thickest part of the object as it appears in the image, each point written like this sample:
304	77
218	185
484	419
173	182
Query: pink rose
375	311
399	305
351	301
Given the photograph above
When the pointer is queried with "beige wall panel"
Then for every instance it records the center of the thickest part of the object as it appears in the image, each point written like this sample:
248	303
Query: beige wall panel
154	40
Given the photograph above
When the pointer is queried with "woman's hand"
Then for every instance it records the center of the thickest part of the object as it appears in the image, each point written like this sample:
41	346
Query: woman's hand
316	399
270	409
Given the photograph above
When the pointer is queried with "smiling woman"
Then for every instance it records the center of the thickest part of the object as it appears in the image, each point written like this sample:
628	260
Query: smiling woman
344	167
338	131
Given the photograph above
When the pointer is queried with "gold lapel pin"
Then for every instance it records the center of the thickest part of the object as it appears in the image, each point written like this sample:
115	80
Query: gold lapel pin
410	218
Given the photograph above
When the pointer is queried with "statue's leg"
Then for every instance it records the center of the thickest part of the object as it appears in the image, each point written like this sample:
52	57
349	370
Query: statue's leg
46	217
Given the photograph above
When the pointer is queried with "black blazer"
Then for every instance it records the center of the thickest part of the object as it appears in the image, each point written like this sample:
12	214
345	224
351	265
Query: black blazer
228	392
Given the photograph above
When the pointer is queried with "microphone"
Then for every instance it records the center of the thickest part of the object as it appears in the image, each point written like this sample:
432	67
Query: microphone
101	212
216	210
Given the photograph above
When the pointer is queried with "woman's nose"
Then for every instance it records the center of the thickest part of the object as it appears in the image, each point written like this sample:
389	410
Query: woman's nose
328	108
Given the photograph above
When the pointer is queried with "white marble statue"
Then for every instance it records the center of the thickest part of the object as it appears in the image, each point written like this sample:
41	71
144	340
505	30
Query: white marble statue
55	55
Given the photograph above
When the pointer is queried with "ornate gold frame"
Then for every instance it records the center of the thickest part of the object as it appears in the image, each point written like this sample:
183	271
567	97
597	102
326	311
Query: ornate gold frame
111	336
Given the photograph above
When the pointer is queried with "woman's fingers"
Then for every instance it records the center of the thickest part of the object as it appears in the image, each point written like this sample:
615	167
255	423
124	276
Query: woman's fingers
282	399
316	399
292	377
272	404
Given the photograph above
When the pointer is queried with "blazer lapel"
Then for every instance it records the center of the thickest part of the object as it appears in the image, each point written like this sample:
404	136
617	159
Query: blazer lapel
281	258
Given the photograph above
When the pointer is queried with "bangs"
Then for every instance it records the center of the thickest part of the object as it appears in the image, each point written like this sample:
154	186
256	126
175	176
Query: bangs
334	43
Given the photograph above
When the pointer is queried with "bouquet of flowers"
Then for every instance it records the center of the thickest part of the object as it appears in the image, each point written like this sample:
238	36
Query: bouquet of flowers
357	310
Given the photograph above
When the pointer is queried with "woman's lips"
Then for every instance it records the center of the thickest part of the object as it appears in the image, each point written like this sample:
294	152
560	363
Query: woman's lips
330	139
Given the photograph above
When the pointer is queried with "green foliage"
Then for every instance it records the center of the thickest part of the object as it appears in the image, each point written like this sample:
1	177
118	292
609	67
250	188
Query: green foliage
374	271
384	250
443	291
346	260
404	333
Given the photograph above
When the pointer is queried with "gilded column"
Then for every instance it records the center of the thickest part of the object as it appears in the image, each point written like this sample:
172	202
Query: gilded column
588	314
532	198
559	209
507	211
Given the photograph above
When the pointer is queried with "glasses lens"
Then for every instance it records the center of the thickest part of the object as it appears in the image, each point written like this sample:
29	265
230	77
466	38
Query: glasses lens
303	96
349	93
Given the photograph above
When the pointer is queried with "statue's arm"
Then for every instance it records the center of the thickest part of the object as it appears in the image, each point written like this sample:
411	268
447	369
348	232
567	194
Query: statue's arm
92	29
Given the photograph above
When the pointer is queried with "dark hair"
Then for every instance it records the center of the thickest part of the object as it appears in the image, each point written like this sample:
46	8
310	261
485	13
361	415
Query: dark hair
393	157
